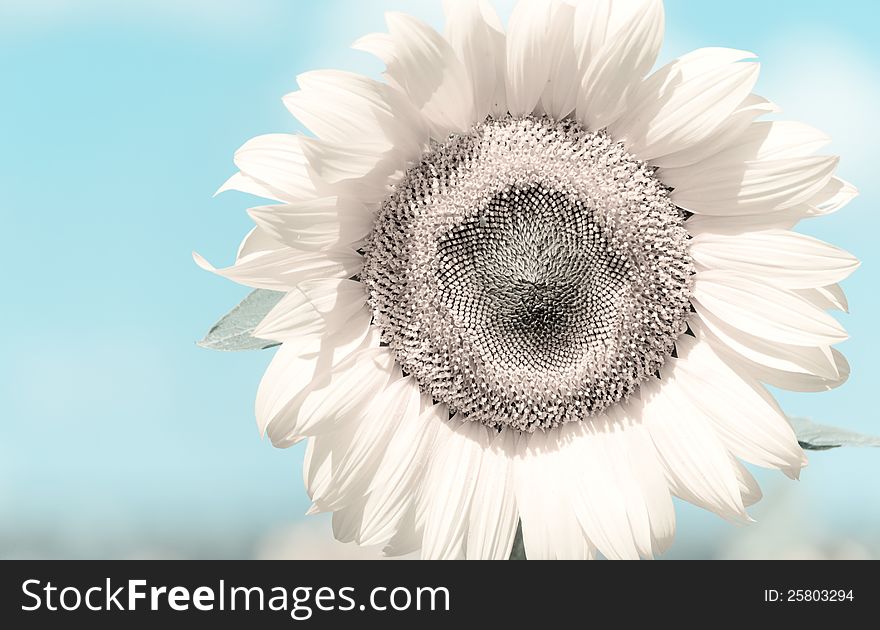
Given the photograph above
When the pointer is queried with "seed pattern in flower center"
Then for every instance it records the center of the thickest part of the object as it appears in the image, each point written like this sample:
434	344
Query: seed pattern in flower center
529	273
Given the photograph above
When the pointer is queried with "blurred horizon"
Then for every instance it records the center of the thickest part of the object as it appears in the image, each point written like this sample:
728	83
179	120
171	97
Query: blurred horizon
121	438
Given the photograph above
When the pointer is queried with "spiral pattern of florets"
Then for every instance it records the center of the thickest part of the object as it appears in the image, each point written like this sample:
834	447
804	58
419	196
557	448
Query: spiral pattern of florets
529	273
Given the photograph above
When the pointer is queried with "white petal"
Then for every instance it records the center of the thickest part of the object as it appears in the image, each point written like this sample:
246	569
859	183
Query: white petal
827	298
339	162
617	69
493	515
336	397
598	21
332	121
407	539
756	187
783	258
698	466
798	381
542	65
347	522
751	492
833	197
528	60
411	528
245	184
560	95
649	478
765	311
600	505
532	469
426	68
770	140
289	373
297	363
722	137
686	102
760	141
257	241
590	30
276	161
343	107
622	500
732	225
315	307
777	140
383	47
751	428
317	467
836	195
398	479
770	354
294	316
284	268
550	528
449	487
321	223
477	36
358	462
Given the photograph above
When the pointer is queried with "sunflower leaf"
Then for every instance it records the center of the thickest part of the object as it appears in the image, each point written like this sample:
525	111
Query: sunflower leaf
818	437
234	331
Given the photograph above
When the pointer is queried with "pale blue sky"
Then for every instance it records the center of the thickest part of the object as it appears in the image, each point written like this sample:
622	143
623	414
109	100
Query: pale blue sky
118	121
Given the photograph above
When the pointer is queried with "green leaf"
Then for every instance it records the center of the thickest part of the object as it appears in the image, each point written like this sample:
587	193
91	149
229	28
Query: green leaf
818	437
234	332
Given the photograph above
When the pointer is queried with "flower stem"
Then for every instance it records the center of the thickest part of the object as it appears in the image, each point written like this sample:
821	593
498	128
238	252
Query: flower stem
519	550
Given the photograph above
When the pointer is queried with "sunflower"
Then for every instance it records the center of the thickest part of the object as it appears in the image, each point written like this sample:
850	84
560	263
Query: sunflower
530	284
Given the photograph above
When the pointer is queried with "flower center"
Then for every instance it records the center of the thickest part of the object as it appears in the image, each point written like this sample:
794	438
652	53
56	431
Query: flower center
529	273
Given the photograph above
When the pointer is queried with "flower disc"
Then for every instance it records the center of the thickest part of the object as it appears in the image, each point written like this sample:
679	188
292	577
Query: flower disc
529	273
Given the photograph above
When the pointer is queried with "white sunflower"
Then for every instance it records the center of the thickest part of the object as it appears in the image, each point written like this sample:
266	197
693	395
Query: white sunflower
528	282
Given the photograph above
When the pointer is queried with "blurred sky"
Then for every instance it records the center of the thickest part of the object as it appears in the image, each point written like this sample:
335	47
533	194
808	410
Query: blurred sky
118	120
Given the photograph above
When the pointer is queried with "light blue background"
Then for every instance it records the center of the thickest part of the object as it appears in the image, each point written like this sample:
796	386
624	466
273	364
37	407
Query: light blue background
118	120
